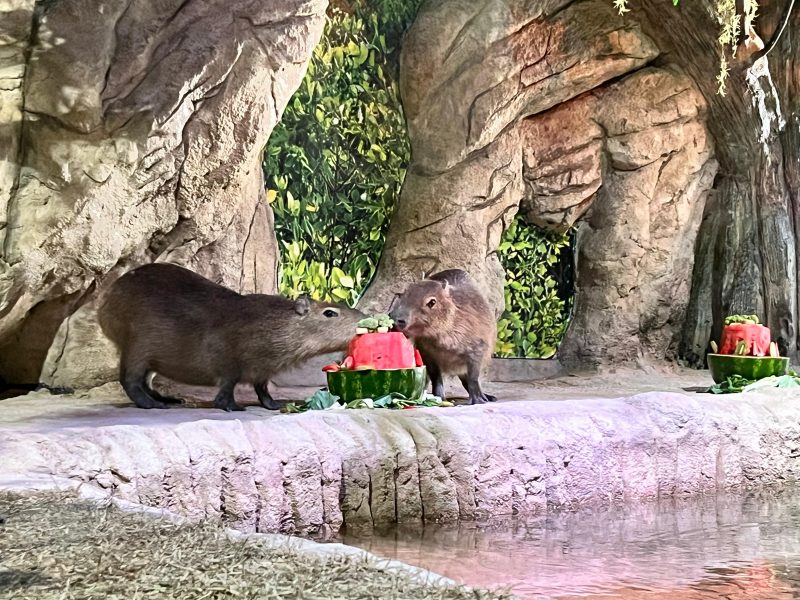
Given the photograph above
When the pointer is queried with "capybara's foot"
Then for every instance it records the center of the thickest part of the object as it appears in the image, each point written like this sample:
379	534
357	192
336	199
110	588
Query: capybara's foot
265	398
478	399
490	398
227	404
224	398
165	399
139	394
147	402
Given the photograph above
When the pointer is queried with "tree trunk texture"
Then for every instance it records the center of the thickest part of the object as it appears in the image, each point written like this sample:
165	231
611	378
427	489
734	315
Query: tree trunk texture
746	252
684	200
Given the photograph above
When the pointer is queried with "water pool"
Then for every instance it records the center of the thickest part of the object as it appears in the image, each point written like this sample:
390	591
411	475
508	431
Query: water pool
738	546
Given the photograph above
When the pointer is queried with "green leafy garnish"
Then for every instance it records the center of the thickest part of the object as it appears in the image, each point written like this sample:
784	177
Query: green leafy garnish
733	384
744	319
368	323
372	324
323	400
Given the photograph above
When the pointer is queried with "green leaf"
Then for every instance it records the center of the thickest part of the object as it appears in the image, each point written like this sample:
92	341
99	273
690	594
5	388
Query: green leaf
321	400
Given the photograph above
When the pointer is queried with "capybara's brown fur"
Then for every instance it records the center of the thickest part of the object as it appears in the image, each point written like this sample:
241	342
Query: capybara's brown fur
453	327
168	320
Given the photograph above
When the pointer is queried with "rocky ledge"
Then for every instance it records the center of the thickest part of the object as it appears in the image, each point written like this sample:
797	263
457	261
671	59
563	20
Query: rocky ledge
314	472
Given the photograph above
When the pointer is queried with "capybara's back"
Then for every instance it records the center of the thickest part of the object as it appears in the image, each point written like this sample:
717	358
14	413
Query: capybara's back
167	319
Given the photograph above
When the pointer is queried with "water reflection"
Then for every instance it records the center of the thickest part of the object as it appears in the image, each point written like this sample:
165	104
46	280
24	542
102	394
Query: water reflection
737	547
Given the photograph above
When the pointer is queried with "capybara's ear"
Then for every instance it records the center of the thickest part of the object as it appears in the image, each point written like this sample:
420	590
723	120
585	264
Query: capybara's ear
444	284
302	305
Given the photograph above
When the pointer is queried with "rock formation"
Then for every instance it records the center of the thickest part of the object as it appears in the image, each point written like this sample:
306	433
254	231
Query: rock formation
746	256
554	108
312	473
632	163
132	132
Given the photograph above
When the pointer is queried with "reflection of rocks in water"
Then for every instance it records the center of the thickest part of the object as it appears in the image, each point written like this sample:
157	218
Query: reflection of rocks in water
759	581
743	547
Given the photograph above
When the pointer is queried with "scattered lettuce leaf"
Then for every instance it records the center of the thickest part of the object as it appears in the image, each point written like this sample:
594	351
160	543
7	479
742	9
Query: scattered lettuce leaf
732	385
324	400
782	381
737	384
321	400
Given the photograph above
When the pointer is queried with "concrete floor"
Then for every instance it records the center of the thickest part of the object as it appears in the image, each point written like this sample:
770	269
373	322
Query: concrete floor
107	404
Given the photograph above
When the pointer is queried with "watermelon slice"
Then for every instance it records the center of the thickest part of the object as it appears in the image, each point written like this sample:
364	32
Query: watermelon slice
753	368
755	337
355	385
392	350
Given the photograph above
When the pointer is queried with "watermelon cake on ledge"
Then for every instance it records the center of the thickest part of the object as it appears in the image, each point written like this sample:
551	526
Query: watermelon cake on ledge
379	362
747	350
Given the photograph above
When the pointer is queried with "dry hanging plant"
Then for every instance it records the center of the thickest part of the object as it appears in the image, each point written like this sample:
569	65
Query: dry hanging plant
729	20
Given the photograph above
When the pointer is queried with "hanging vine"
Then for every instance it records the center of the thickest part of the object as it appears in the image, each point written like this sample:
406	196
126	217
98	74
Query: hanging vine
729	20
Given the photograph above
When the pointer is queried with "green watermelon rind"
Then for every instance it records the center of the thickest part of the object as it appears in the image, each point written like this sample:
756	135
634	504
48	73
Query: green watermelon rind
754	368
352	385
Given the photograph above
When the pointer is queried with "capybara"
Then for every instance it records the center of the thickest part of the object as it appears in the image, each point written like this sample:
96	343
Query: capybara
170	321
453	327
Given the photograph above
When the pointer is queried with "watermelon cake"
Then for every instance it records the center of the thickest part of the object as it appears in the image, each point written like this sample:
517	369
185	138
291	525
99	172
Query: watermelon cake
378	362
746	349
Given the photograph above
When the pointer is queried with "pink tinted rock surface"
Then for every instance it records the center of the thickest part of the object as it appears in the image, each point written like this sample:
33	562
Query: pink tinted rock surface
311	473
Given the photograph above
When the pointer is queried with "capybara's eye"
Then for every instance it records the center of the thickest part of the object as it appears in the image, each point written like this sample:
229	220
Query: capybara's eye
431	302
329	312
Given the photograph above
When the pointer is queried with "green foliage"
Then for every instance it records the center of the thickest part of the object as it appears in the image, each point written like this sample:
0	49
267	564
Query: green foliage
536	317
736	383
395	15
335	163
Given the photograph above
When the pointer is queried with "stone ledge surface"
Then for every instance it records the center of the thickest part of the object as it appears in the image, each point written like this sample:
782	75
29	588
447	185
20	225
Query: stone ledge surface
311	473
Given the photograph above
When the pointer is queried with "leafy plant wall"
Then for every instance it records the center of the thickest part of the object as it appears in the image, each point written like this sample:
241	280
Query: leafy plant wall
334	167
335	163
538	291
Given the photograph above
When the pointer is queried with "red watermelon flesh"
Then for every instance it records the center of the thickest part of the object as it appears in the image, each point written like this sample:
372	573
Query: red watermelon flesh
757	338
391	350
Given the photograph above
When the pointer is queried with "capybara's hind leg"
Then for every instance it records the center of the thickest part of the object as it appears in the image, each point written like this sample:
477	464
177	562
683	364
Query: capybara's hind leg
155	395
135	385
224	399
472	383
485	397
265	398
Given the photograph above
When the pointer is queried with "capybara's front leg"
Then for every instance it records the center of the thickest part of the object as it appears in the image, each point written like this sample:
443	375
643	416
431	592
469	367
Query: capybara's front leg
435	375
157	396
224	399
265	398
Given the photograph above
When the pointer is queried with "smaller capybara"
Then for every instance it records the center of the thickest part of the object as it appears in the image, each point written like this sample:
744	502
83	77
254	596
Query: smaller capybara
170	321
453	327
